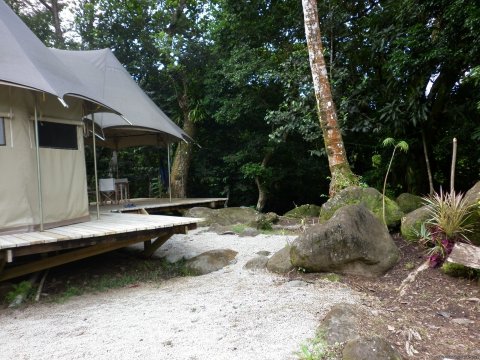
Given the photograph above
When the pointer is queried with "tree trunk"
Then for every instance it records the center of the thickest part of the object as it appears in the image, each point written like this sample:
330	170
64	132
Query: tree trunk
181	163
427	162
55	7
183	155
262	189
341	174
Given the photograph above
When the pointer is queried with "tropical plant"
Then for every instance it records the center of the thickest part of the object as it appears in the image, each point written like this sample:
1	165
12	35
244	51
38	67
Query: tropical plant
447	224
450	212
401	145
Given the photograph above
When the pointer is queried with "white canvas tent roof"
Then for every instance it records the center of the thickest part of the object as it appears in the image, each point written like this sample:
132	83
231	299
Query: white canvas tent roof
96	76
26	62
105	75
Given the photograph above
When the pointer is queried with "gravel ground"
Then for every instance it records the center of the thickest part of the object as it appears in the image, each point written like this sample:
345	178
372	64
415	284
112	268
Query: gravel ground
229	314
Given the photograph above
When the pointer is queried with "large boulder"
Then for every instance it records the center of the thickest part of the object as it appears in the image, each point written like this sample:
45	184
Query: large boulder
412	223
210	261
353	241
472	197
225	216
303	211
368	197
409	202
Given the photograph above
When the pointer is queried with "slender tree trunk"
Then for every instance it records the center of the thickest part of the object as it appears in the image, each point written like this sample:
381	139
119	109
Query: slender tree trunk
427	162
55	7
262	189
341	174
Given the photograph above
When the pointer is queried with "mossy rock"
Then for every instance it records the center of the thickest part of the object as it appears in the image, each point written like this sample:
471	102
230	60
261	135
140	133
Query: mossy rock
412	223
409	202
472	197
304	211
368	197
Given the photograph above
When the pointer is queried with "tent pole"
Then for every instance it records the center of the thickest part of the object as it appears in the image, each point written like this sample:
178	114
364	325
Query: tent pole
97	194
39	174
169	179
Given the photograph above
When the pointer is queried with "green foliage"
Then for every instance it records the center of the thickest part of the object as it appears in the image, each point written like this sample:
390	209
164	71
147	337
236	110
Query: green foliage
23	288
318	349
240	71
332	277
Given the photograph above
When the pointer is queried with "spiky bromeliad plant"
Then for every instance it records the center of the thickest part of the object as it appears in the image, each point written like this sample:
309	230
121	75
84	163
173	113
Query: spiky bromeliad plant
448	223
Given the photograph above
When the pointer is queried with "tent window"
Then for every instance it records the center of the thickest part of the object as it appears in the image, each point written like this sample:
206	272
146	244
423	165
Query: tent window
2	131
57	136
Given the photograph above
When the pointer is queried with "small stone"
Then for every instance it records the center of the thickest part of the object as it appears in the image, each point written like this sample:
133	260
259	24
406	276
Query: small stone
444	314
462	321
264	253
296	283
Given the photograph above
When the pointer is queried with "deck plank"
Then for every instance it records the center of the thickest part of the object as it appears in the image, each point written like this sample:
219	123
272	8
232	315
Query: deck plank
10	241
109	224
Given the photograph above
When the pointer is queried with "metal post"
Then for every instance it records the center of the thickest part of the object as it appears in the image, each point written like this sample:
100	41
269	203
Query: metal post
39	175
97	194
169	179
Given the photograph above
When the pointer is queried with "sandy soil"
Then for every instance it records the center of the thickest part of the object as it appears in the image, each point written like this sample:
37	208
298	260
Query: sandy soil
229	314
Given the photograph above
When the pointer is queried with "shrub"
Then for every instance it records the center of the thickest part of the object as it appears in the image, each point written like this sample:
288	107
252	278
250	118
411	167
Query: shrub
447	224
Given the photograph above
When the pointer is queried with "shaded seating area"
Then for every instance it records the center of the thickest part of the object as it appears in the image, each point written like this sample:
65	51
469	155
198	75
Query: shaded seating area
113	191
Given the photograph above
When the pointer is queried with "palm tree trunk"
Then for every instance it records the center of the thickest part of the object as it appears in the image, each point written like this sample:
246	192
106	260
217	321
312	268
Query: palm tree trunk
341	174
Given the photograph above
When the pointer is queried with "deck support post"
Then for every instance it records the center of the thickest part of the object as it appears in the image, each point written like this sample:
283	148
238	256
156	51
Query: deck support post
3	262
151	246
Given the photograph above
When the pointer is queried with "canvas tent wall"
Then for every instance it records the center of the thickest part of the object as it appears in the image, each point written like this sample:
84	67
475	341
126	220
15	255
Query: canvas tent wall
64	188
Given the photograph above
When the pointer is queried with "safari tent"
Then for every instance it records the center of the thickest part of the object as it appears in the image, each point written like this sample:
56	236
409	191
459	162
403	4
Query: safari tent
44	100
61	150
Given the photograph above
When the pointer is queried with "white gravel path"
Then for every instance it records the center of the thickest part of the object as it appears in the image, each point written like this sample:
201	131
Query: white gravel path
229	314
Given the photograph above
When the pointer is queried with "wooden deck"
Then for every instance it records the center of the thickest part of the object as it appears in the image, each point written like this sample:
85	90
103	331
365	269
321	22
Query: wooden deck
160	205
112	231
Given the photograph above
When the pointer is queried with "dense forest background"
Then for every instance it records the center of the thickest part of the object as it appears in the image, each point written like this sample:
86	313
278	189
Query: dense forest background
235	75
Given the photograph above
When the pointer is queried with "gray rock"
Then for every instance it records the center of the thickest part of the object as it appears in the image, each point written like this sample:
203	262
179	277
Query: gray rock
249	232
353	241
368	197
374	348
257	263
412	222
296	283
225	216
472	197
280	261
200	212
265	221
303	211
210	261
341	324
409	202
221	229
264	253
